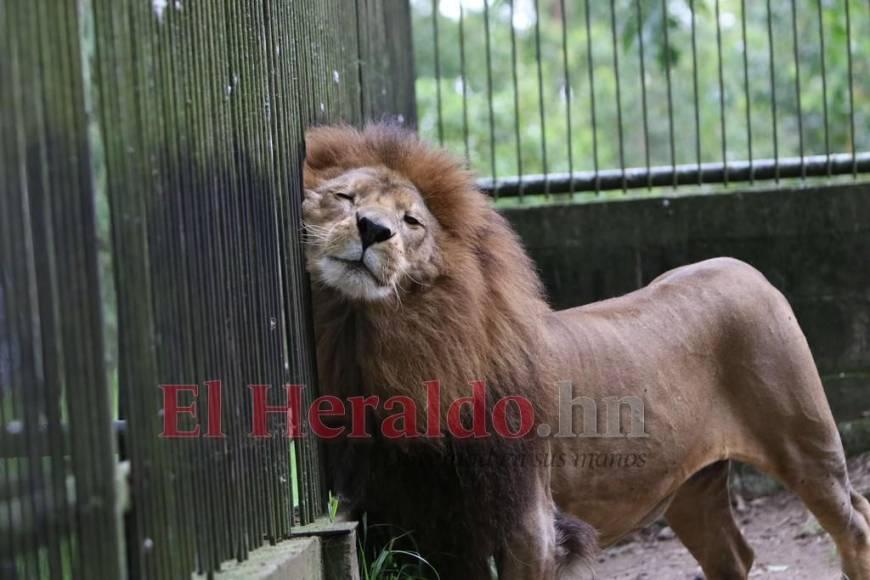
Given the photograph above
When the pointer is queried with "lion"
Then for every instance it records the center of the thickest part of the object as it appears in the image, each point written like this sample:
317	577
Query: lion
417	278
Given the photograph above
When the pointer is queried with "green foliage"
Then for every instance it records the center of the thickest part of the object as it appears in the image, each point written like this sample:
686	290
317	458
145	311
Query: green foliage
332	507
657	56
390	559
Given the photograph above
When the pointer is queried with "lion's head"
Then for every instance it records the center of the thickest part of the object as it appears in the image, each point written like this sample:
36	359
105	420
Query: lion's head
383	210
370	234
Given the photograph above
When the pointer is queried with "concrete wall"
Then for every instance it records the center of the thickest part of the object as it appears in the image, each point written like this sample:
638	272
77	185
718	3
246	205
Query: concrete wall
812	243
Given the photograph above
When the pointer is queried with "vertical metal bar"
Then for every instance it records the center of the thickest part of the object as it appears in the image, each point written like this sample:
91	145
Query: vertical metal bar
590	66
227	228
40	141
722	99
851	89
437	71
618	92
746	89
517	135
19	262
643	92
824	85
361	48
672	141
489	99
695	88
797	88
541	98
567	94
772	91
464	78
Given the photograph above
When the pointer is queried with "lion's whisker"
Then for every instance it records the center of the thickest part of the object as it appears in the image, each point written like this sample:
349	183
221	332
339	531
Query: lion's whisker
398	296
414	280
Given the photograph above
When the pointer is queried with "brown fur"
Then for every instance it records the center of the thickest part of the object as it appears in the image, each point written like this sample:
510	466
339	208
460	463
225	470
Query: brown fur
478	318
716	356
492	332
711	350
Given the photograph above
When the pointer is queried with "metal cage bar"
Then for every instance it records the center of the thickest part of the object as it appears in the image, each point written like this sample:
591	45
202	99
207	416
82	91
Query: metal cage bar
727	86
169	141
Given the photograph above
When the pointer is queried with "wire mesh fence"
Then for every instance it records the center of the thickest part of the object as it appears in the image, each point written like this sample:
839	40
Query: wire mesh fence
176	129
549	96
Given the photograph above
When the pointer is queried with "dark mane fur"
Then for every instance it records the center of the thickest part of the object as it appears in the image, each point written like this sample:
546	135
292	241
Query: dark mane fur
480	320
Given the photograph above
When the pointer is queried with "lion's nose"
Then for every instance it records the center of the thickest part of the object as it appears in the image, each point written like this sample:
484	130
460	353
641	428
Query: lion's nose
372	232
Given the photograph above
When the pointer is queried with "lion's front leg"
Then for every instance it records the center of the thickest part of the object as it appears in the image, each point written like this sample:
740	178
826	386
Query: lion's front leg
530	549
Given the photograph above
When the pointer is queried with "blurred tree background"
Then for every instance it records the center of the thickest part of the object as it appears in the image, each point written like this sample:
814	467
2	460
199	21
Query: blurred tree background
630	30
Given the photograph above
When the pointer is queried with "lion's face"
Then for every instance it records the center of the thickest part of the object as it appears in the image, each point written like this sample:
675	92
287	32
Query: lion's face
369	234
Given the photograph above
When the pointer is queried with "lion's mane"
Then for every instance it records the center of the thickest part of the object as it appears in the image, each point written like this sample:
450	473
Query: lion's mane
481	319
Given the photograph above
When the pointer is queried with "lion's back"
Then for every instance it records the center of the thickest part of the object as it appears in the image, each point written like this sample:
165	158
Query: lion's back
712	329
721	308
715	292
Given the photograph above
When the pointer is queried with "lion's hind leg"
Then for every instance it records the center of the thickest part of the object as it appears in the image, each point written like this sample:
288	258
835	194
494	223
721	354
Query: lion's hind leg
701	517
805	453
841	511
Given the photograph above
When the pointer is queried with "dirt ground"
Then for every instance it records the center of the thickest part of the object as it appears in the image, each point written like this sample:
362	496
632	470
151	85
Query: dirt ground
788	542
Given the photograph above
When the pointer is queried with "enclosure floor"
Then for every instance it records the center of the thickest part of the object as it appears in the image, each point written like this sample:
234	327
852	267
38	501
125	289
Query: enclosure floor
788	543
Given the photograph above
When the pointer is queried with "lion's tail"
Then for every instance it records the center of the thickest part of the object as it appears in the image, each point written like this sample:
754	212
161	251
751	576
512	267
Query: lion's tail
576	544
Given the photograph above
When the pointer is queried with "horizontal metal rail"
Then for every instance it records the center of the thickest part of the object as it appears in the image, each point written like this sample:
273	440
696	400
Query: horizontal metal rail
689	174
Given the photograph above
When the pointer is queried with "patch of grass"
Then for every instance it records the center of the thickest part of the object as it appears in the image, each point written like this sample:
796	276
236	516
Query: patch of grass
390	559
332	507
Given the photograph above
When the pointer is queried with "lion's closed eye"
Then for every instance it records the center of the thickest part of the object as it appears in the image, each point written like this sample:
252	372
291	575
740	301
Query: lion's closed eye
412	221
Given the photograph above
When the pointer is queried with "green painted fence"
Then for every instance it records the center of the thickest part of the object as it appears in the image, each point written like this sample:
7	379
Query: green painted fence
176	126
